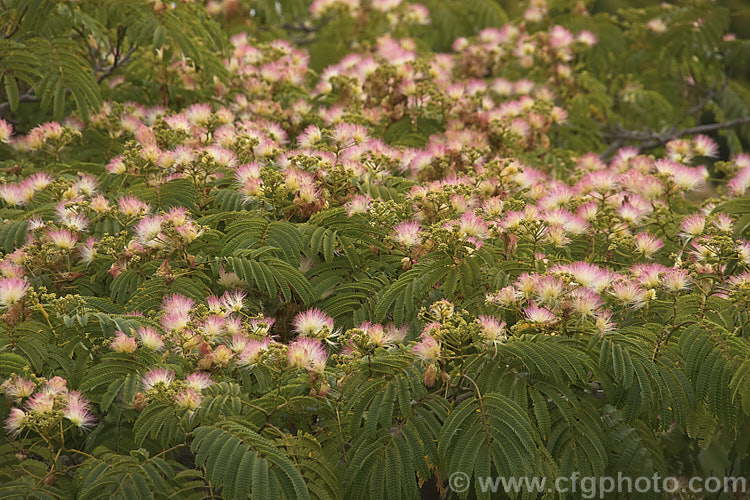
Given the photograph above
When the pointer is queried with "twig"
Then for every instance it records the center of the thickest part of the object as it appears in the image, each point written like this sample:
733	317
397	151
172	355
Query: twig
611	149
710	127
28	97
118	63
651	139
17	23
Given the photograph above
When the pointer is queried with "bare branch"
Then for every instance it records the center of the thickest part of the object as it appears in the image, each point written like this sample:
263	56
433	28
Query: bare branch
107	72
652	139
28	97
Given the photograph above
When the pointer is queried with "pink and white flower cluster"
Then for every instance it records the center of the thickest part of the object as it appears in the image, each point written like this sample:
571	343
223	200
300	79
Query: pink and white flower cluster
44	405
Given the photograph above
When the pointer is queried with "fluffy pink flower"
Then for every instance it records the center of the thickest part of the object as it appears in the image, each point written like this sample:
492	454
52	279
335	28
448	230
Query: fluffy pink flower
116	166
15	422
233	301
13	194
586	274
537	314
77	411
647	244
693	225
585	302
150	339
177	304
198	381
5	131
308	354
427	348
675	280
629	293
311	322
123	343
132	206
55	385
252	352
407	234
188	399
705	146
12	290
473	226
148	229
358	205
41	402
156	377
493	330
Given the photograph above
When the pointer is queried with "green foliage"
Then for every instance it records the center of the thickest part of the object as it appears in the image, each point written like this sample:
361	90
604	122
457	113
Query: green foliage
56	54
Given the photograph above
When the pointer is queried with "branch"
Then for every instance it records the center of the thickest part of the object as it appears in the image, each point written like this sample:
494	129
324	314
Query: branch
651	139
16	21
118	63
28	97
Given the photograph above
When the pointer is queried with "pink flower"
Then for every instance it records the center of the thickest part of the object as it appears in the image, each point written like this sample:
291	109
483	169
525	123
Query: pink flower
157	377
213	326
312	322
12	290
407	234
358	205
13	194
394	334
675	280
537	314
648	275
560	37
585	302
85	184
116	166
150	339
586	274
587	38
123	343
188	399
147	229
473	226
41	402
261	326
647	244
6	130
132	206
492	329
308	354
40	180
428	348
693	225
234	301
629	293
62	238
238	343
198	114
252	352
310	137
705	146
724	223
684	177
18	387
198	381
55	385
77	411
178	123
177	304
15	422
